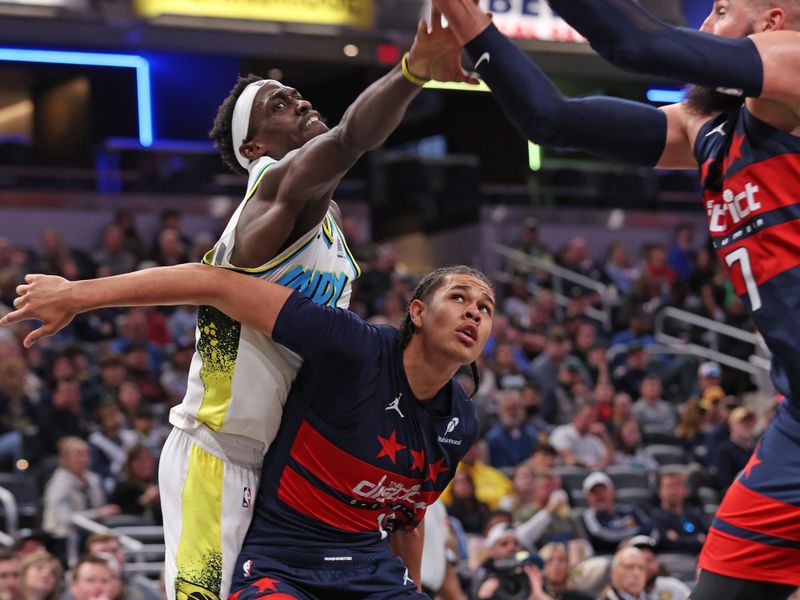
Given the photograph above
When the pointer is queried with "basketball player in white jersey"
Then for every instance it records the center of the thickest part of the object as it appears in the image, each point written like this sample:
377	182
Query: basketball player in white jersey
286	231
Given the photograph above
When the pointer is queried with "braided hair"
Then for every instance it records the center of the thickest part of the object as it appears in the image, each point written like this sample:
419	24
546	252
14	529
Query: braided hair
221	133
426	288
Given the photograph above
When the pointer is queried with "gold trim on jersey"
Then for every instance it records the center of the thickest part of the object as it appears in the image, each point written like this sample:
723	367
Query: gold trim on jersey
352	258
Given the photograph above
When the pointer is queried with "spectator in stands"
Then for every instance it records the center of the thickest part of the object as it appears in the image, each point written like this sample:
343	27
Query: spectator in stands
465	506
520	501
512	439
175	371
690	432
628	448
130	400
517	300
491	485
681	253
106	388
571	392
557	574
628	377
9	574
628	576
575	257
171	249
134	331
545	457
650	409
709	374
55	257
150	433
657	269
622	411
109	445
529	243
607	523
549	518
545	367
17	412
733	454
531	404
659	585
135	587
584	441
139	365
718	412
136	492
639	330
111	258
35	541
619	268
73	489
505	370
64	419
131	240
496	580
681	528
40	577
92	579
181	323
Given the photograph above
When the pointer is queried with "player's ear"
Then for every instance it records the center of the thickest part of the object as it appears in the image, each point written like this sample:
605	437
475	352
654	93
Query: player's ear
252	150
415	310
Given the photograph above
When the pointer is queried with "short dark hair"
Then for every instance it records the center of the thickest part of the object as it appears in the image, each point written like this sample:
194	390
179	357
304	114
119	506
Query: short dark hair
222	132
426	288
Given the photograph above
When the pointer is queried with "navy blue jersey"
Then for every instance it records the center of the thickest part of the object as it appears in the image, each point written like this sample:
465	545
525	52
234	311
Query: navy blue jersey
751	178
750	174
357	455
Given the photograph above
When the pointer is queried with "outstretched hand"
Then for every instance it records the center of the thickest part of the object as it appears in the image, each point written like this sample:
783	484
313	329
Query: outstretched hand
44	298
435	53
464	17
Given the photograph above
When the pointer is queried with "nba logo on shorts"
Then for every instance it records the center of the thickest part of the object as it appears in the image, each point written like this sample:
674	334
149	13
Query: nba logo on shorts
246	567
247	496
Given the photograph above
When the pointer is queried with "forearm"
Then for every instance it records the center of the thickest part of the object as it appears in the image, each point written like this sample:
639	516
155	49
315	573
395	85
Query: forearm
377	111
248	300
409	548
630	37
609	127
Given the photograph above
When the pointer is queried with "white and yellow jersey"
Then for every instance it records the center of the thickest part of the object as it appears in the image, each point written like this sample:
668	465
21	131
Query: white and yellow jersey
239	379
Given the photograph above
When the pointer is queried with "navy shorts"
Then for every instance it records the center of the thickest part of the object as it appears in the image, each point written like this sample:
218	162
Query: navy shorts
755	534
284	575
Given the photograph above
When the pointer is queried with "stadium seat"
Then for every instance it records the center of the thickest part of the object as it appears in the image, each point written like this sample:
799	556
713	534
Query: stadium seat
625	476
666	454
641	497
571	477
708	495
26	493
682	566
659	435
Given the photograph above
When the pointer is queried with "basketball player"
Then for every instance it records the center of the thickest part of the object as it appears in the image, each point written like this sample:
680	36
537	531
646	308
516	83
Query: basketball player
740	126
285	231
374	426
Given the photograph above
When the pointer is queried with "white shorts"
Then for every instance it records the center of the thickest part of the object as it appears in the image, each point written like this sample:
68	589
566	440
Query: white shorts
208	484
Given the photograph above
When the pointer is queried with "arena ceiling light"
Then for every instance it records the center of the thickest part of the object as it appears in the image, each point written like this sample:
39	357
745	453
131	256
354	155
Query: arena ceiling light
663	96
98	59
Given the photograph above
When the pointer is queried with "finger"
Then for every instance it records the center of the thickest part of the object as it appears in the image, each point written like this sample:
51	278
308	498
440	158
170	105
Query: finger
436	17
22	288
32	277
14	317
422	28
37	334
20	301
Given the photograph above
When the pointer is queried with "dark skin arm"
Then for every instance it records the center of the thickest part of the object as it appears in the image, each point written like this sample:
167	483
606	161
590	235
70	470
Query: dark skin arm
408	546
296	192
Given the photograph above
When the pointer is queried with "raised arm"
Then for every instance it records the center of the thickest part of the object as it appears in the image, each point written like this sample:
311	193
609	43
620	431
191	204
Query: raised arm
631	38
619	129
297	189
55	301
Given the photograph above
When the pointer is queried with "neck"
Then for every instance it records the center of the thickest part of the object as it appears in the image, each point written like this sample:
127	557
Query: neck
426	372
674	508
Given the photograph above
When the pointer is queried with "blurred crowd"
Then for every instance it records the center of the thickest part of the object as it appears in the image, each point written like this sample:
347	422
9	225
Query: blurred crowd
601	458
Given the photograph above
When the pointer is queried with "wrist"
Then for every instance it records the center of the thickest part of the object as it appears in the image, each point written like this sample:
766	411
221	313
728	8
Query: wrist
410	74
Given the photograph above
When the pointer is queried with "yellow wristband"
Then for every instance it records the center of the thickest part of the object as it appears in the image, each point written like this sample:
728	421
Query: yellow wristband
409	75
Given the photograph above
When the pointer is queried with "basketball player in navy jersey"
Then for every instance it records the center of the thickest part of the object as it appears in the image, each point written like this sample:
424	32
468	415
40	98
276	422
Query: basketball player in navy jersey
740	125
373	430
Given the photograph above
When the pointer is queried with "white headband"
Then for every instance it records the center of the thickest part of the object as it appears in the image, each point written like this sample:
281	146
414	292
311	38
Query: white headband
240	123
